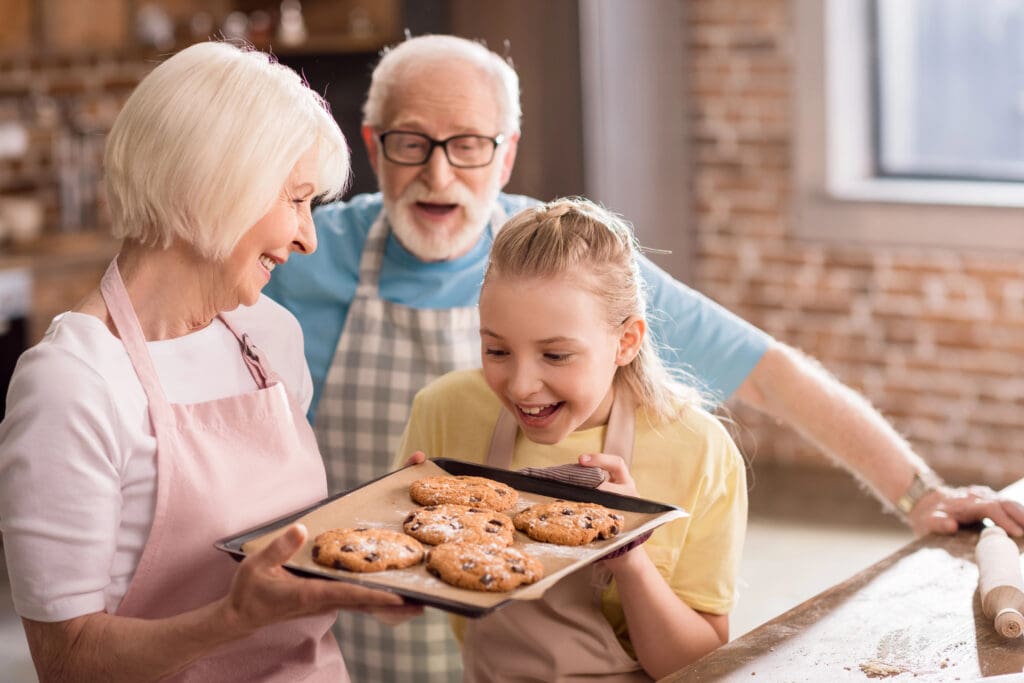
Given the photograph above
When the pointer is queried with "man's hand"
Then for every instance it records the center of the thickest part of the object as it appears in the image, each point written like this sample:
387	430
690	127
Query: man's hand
943	510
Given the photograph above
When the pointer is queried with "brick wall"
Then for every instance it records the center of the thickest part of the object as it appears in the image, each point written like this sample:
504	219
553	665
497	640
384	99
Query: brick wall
934	338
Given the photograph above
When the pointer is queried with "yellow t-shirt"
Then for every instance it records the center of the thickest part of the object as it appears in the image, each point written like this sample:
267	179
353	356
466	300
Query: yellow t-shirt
691	462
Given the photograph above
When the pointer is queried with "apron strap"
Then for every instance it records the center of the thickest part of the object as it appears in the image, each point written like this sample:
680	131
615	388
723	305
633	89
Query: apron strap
372	257
126	323
258	366
621	431
503	441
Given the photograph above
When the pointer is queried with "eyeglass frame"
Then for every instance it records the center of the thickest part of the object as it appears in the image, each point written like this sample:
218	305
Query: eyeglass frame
497	140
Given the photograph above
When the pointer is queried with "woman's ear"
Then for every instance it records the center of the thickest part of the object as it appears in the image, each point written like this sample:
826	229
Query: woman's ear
631	337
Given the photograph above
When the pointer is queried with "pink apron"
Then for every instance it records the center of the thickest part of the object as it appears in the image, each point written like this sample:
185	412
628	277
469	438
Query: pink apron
223	466
564	635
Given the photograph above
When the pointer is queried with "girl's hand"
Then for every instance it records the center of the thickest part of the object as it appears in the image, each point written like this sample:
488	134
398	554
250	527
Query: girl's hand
263	592
416	458
619	479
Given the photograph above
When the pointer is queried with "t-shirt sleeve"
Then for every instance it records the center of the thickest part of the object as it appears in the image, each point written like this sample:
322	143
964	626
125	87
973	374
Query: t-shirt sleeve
706	572
692	333
60	495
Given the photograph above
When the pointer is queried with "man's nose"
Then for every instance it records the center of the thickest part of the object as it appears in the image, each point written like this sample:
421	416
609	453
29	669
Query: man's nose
437	172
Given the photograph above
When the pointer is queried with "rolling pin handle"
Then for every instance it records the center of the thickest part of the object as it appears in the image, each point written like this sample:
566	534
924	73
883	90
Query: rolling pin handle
1009	623
1000	583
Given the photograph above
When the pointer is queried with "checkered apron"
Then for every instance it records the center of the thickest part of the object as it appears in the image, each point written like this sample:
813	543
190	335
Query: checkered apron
388	352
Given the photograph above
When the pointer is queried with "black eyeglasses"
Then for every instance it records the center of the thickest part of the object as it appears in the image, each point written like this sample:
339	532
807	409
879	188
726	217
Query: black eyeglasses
462	151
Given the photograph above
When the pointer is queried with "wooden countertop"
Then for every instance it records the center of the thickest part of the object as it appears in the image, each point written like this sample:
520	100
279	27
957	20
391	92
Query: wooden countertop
914	615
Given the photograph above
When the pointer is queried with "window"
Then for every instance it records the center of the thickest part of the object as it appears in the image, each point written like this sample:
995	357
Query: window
909	123
949	85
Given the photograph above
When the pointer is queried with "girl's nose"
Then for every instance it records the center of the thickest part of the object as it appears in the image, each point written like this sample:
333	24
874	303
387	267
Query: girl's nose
523	382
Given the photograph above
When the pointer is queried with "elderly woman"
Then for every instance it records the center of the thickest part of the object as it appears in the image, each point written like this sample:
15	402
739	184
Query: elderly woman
166	410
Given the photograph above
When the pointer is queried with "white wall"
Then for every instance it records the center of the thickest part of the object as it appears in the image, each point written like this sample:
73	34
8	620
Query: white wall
635	139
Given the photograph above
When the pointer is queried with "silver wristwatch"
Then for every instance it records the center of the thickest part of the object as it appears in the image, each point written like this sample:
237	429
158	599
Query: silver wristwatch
923	483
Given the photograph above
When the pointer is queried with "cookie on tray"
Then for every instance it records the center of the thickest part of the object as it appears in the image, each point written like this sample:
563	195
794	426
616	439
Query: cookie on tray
366	550
436	524
463	490
483	567
568	523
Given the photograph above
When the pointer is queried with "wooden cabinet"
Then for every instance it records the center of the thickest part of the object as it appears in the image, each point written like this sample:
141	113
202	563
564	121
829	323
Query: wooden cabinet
334	26
75	28
63	269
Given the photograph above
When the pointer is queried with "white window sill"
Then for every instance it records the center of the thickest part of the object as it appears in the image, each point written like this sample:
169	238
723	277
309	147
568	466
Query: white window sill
934	192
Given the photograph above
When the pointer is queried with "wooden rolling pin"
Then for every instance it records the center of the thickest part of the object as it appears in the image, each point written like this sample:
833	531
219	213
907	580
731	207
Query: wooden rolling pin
999	581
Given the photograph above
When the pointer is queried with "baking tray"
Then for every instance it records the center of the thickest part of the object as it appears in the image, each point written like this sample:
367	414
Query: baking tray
385	502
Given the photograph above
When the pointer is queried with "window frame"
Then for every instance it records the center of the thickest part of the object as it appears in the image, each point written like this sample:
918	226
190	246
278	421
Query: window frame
838	196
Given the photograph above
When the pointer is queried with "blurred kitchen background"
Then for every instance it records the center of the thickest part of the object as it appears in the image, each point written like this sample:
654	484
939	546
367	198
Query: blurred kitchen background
845	174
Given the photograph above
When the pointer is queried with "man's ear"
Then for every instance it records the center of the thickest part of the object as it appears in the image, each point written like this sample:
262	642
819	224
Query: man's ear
630	338
512	146
372	143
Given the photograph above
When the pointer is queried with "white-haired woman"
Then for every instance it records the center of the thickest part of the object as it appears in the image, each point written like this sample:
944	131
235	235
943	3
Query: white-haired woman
166	410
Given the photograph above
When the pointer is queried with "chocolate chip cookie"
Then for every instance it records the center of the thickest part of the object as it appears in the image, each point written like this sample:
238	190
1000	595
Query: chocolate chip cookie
437	524
463	490
483	567
366	550
567	523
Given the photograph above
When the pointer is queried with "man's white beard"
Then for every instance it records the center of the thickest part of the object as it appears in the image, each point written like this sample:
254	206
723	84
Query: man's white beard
438	245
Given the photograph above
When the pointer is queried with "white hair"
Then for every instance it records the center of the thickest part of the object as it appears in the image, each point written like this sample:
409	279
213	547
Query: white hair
422	49
205	143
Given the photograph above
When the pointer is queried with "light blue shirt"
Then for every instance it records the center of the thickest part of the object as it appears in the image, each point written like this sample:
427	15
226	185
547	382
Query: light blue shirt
694	334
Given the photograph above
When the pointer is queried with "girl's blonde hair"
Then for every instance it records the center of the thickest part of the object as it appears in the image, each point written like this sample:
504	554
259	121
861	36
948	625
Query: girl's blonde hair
577	239
205	143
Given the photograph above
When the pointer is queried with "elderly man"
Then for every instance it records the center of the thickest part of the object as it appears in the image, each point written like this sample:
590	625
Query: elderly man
388	301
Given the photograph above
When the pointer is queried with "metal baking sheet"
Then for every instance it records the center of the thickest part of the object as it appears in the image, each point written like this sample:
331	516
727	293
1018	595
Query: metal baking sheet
385	502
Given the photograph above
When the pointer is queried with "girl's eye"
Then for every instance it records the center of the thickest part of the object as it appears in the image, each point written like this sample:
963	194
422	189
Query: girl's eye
558	357
496	353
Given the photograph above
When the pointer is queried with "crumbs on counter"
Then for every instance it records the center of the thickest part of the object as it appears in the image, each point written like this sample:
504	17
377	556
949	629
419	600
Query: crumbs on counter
878	669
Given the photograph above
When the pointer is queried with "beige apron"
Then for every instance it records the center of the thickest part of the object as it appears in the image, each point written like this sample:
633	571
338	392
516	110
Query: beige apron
387	352
223	466
563	636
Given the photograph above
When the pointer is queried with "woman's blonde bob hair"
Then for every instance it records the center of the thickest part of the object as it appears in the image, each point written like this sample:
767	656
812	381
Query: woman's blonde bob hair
205	143
576	239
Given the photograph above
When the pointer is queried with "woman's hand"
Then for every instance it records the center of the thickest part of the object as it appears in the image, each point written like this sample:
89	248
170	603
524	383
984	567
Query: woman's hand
263	592
619	479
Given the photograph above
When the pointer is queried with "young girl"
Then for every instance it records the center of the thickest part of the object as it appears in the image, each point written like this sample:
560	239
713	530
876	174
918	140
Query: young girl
568	366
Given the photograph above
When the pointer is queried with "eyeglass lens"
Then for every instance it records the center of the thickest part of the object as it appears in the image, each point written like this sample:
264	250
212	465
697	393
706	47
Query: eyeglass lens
461	150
